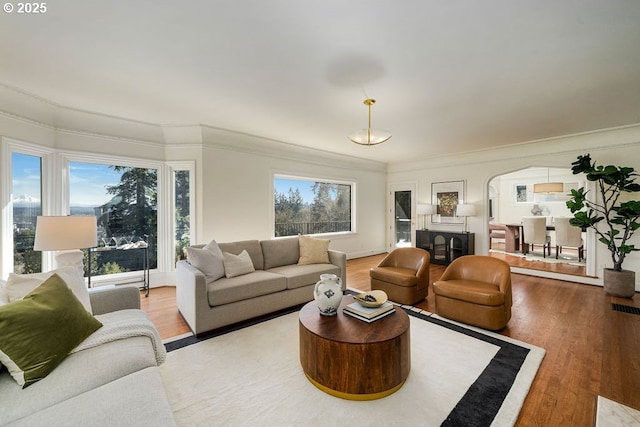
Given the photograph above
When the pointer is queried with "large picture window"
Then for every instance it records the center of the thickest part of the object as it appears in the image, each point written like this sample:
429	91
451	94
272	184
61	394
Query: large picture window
308	206
124	200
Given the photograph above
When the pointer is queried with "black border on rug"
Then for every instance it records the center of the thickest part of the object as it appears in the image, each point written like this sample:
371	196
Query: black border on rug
479	405
484	398
184	342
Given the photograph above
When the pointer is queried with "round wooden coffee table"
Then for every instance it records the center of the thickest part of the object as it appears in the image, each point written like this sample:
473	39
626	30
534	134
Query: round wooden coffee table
352	359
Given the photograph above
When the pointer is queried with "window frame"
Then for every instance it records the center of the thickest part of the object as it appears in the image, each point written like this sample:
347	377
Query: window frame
351	183
172	168
66	157
10	146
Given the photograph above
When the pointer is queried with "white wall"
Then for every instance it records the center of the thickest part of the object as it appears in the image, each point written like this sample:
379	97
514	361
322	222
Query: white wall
509	211
238	189
617	146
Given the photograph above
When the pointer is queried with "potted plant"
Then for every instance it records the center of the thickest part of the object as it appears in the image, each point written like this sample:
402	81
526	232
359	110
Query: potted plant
613	222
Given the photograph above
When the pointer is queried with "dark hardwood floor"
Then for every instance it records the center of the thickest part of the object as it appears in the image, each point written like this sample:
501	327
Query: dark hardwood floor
591	349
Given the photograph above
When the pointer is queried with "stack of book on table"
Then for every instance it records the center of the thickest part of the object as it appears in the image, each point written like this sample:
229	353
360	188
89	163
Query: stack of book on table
368	314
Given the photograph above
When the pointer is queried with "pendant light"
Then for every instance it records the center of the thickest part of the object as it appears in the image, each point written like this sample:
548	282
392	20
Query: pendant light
370	136
548	187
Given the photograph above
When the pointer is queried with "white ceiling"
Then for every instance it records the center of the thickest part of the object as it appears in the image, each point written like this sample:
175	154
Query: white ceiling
448	76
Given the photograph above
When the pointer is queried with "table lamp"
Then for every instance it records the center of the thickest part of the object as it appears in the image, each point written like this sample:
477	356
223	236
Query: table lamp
465	210
425	209
67	235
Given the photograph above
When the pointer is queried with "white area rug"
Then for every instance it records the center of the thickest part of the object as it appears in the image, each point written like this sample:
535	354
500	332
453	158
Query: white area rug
253	377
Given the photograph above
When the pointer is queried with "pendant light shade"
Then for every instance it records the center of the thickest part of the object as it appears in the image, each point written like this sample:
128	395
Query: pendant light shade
548	187
370	136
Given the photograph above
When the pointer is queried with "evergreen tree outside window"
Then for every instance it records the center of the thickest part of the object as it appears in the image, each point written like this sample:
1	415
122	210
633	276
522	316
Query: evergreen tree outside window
182	213
305	206
124	200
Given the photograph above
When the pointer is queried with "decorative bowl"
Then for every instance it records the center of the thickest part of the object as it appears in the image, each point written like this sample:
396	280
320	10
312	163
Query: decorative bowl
371	298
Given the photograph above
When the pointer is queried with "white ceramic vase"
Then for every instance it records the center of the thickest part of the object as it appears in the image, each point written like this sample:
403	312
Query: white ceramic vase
328	294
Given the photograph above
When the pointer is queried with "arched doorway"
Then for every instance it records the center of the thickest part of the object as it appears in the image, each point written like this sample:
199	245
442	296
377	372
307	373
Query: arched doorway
512	197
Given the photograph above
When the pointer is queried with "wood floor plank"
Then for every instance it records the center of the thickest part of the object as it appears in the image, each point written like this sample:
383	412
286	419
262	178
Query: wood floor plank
591	349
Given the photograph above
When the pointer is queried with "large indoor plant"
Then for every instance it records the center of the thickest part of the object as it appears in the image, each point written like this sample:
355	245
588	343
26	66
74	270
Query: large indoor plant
613	221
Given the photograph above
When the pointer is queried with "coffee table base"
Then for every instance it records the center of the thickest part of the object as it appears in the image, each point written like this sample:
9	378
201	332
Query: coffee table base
352	396
352	359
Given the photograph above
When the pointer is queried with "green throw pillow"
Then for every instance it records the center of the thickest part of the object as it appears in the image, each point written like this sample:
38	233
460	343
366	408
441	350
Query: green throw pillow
38	331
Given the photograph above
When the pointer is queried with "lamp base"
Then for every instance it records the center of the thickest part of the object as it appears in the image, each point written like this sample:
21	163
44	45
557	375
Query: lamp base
71	258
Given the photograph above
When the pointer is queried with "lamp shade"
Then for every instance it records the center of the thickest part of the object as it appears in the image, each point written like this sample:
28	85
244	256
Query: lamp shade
425	209
548	187
466	210
56	233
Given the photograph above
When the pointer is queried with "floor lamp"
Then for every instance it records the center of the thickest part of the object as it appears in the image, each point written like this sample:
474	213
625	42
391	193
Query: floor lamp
67	235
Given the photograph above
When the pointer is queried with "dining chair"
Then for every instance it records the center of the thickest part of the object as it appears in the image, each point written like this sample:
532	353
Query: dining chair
568	235
534	229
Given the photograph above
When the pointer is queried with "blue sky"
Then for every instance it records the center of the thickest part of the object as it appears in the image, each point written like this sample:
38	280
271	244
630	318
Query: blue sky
26	176
88	181
283	185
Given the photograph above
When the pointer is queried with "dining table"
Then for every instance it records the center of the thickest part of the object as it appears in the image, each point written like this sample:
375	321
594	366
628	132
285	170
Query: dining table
519	231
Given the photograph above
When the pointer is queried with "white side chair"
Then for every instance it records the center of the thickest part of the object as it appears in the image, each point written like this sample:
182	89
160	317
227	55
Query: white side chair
534	229
569	236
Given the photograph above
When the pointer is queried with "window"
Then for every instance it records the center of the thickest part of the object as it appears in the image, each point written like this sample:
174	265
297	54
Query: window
26	190
182	207
124	201
306	206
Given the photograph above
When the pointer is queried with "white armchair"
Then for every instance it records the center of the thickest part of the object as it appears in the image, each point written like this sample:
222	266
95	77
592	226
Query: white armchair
568	235
534	229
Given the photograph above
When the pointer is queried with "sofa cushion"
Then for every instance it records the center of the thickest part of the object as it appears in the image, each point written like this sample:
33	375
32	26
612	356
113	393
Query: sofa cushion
251	246
225	290
313	251
397	275
19	285
277	252
4	298
472	291
299	276
38	331
237	265
82	371
138	399
205	260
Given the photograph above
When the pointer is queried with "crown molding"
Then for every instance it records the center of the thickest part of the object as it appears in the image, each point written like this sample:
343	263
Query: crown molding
596	140
36	111
224	139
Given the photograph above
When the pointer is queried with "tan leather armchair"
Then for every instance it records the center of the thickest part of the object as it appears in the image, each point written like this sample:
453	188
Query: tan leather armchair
476	290
403	275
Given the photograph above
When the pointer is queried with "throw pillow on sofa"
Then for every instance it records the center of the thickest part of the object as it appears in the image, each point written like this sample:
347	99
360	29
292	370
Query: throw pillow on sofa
313	251
4	298
237	265
19	285
38	331
209	260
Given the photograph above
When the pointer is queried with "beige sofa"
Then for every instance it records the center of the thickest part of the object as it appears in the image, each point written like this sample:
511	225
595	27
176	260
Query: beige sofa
278	282
117	383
